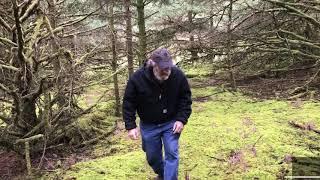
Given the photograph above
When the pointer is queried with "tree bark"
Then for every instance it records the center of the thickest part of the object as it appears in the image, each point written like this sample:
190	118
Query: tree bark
24	111
127	4
114	59
194	54
142	32
229	56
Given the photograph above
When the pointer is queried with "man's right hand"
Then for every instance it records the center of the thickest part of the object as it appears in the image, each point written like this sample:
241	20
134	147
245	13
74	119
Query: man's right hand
133	133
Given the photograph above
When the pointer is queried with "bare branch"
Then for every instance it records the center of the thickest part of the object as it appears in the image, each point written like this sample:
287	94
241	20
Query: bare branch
7	41
81	32
5	24
303	5
147	17
285	50
29	10
106	78
75	21
294	35
299	42
9	67
85	56
298	12
29	138
25	2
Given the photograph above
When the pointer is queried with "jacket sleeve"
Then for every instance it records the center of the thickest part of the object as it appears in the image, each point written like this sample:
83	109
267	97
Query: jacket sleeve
184	101
129	105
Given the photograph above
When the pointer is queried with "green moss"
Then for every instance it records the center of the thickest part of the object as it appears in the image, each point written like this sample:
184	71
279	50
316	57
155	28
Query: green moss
198	70
106	107
126	166
219	126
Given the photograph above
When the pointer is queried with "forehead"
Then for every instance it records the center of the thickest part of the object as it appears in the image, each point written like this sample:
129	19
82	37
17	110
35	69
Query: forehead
162	69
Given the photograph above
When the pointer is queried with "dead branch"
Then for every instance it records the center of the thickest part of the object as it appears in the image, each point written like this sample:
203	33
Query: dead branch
78	20
296	11
9	67
81	32
294	35
5	24
24	6
104	79
303	6
35	129
300	42
82	59
32	138
29	10
286	50
308	82
8	42
303	127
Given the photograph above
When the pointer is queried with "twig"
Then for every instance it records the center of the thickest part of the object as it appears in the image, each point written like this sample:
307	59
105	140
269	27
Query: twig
219	159
202	97
43	153
257	141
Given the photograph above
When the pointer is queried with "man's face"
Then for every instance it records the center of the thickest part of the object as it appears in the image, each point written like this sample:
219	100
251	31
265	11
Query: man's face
161	74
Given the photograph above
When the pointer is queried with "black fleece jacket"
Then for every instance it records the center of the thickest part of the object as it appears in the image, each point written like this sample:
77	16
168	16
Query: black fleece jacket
156	102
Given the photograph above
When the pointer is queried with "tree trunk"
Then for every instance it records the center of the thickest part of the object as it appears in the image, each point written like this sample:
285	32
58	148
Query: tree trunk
24	111
194	54
127	4
211	42
142	32
229	36
114	59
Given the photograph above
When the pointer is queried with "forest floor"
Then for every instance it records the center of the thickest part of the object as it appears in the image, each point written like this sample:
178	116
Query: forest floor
229	136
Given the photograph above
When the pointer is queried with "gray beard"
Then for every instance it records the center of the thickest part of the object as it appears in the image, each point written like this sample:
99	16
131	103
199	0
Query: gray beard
160	78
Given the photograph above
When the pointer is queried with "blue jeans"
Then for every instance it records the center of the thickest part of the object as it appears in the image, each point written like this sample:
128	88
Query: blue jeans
153	137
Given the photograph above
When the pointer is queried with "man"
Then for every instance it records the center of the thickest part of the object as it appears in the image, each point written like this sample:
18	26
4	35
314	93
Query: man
161	95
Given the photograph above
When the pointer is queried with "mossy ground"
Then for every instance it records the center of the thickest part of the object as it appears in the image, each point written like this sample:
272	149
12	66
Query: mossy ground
229	136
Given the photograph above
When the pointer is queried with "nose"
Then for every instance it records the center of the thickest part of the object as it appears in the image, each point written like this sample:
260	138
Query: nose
165	70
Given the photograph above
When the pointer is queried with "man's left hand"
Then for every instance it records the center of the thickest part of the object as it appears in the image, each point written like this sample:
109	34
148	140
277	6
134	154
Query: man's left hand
177	127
